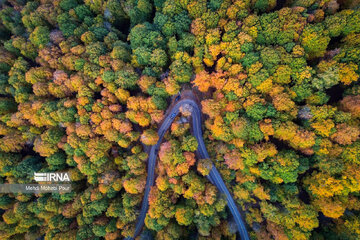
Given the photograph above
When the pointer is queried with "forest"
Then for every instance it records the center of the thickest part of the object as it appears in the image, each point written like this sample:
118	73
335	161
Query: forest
85	85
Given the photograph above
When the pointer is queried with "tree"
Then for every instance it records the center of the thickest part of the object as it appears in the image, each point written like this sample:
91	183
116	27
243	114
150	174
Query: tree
351	104
204	166
181	71
189	143
7	105
11	20
145	35
149	137
66	23
40	36
82	82
139	11
28	165
314	40
184	215
285	167
126	79
121	51
57	158
345	134
259	111
263	5
234	160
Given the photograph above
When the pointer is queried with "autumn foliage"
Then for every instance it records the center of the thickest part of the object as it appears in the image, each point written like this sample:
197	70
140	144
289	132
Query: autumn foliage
85	85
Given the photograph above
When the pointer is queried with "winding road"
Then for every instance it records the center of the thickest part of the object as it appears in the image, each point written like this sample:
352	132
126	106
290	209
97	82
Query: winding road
214	176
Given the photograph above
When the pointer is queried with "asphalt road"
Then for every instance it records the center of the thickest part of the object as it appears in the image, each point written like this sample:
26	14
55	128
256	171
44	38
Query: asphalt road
214	176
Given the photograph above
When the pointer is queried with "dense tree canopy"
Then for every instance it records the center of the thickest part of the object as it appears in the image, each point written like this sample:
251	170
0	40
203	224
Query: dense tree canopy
84	87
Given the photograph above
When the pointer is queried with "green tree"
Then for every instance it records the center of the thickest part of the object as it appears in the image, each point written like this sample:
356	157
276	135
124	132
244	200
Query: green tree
314	39
40	36
189	143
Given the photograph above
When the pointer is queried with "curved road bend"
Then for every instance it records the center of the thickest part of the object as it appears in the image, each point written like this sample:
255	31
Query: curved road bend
214	176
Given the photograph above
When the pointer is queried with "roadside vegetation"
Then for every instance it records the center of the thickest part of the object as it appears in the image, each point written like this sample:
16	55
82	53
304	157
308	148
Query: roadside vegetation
84	86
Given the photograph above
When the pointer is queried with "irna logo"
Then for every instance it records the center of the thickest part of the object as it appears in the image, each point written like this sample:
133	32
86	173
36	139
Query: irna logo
51	177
